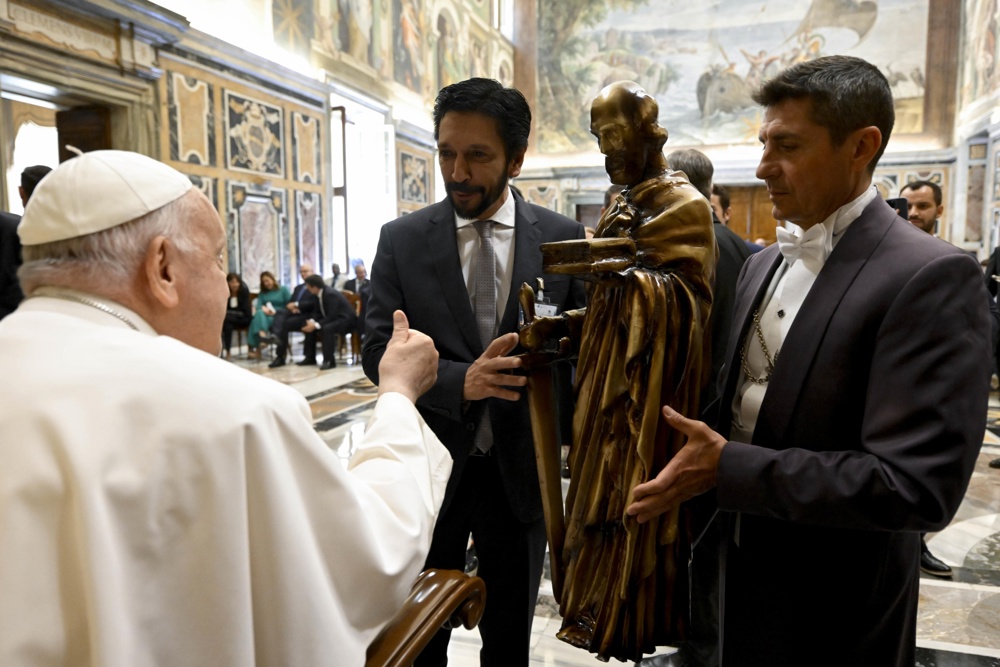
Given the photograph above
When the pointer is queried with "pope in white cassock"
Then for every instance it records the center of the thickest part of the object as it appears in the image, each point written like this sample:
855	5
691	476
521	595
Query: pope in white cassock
159	506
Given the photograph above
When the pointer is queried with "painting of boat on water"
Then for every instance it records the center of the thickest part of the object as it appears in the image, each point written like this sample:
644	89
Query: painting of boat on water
702	61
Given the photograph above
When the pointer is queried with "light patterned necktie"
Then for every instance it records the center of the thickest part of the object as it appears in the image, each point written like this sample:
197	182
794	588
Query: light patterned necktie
484	284
484	300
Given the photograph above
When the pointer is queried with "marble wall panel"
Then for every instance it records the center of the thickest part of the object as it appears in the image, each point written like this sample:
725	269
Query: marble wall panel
414	176
191	117
258	221
306	148
308	214
254	132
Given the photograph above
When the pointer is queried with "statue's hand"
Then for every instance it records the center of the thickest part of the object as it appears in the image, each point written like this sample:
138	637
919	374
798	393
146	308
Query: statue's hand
541	330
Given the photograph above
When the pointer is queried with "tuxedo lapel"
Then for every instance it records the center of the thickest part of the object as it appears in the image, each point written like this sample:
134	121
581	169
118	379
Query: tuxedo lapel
442	248
527	260
806	333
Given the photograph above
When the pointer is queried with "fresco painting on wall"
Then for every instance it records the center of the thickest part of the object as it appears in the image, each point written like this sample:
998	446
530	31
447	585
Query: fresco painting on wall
478	52
702	61
980	74
293	24
191	116
409	40
254	129
450	63
483	9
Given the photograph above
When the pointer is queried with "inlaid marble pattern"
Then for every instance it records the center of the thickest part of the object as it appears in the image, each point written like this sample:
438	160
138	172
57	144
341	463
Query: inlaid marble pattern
958	621
306	151
254	132
259	231
308	209
191	116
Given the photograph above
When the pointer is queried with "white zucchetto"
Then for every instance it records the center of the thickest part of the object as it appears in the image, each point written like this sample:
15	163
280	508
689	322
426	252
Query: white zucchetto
97	191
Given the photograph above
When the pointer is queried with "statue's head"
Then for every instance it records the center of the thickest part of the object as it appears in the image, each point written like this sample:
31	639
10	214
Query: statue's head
624	120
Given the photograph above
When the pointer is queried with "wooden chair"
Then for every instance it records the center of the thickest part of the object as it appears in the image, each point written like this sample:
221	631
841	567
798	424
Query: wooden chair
439	599
355	334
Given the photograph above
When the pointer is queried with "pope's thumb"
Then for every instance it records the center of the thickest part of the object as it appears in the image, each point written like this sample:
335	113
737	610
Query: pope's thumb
400	326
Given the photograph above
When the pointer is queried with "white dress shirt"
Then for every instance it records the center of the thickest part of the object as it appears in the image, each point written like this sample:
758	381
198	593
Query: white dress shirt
781	303
503	250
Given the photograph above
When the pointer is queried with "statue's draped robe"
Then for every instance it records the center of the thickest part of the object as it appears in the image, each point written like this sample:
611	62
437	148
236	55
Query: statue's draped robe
644	344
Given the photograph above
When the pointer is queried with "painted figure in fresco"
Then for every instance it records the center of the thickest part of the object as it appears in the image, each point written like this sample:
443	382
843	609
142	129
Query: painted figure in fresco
409	62
644	343
448	69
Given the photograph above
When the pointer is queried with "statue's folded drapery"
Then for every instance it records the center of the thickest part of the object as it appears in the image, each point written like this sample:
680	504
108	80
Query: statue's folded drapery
644	344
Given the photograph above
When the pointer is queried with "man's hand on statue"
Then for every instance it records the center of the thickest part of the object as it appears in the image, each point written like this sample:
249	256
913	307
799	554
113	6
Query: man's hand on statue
539	331
488	375
409	364
690	473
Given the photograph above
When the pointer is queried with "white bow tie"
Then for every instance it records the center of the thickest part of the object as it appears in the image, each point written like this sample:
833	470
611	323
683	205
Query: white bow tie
813	247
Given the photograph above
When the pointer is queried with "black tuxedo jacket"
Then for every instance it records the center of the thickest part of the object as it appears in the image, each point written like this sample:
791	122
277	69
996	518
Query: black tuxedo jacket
10	261
867	435
417	270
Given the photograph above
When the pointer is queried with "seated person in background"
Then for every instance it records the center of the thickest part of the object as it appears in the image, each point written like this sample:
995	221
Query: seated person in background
338	279
336	316
300	306
239	312
159	505
270	293
361	286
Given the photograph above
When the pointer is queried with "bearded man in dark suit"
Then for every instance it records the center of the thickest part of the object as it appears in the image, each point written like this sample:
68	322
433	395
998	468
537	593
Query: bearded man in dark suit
855	395
454	268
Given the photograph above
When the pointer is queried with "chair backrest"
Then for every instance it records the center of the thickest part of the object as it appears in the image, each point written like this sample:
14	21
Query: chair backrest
438	599
353	299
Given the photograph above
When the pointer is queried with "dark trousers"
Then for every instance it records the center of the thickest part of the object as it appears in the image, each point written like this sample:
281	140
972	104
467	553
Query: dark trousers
235	319
329	338
284	325
510	563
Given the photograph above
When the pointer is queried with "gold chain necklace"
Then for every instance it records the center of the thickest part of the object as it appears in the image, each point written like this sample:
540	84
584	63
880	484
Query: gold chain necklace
94	304
767	357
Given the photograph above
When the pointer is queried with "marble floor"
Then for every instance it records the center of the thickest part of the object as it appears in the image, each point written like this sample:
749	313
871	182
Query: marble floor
959	618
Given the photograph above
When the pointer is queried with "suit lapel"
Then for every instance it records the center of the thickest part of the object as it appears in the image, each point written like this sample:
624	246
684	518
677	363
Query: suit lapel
442	248
806	333
527	260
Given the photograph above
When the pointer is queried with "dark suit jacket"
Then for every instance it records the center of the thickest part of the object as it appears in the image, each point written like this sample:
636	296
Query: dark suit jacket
868	433
308	304
417	270
364	292
733	252
10	261
336	314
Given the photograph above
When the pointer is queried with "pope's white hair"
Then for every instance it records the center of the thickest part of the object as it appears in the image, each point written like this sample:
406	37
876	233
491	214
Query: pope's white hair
109	258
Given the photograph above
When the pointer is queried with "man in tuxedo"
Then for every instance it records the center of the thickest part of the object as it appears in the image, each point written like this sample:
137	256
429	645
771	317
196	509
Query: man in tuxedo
702	646
855	396
335	316
293	317
455	268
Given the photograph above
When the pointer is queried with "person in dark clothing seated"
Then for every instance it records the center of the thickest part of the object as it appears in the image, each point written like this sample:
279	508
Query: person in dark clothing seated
238	310
332	316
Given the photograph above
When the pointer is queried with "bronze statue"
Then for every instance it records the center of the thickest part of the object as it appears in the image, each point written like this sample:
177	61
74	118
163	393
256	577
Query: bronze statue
643	343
